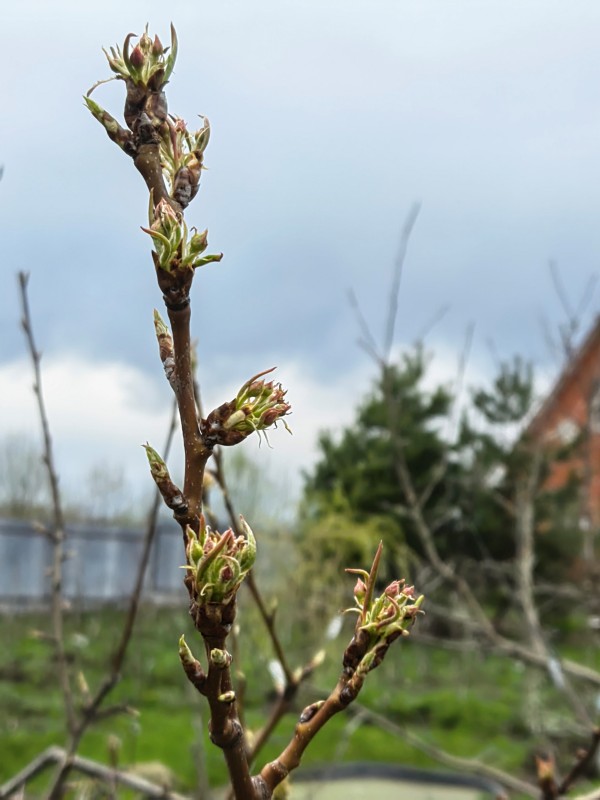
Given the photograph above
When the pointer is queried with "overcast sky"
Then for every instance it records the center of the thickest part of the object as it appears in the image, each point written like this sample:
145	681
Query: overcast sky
329	119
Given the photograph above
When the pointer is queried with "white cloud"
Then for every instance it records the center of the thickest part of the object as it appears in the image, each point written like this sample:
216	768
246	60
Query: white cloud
101	412
98	413
317	405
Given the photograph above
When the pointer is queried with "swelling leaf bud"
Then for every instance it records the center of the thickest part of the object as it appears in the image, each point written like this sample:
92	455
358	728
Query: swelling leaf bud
165	348
114	131
198	243
381	619
157	48
185	654
137	58
147	65
258	405
220	658
218	562
174	247
192	667
309	712
182	155
158	468
171	494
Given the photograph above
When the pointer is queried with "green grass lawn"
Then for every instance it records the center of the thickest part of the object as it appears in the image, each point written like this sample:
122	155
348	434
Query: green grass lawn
469	704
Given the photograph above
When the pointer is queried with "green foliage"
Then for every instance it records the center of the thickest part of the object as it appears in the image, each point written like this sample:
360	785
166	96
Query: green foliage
499	461
358	470
355	485
511	396
354	494
459	701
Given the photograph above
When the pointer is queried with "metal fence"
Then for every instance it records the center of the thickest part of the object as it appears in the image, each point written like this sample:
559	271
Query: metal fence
100	564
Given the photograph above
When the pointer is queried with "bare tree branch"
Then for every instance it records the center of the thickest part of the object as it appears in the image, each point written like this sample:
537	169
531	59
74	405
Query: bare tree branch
470	765
91	711
390	323
58	524
57	755
367	342
78	724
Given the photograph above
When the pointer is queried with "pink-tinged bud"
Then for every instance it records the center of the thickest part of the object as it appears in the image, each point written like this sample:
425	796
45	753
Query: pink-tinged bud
157	48
271	416
257	387
179	125
209	545
218	562
360	590
147	65
381	620
258	405
169	234
166	220
394	589
137	57
174	246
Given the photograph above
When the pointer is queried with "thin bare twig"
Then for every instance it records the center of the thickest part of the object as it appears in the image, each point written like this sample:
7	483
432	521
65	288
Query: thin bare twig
584	760
151	528
367	342
470	765
76	727
569	330
390	322
437	317
58	525
561	293
91	712
57	755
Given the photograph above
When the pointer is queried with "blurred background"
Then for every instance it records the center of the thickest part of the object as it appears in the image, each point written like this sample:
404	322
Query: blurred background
331	122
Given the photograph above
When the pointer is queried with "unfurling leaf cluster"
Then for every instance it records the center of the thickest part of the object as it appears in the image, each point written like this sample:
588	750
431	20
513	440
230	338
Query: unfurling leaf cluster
219	562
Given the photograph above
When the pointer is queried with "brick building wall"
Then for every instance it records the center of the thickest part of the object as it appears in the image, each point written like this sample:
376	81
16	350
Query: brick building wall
570	412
